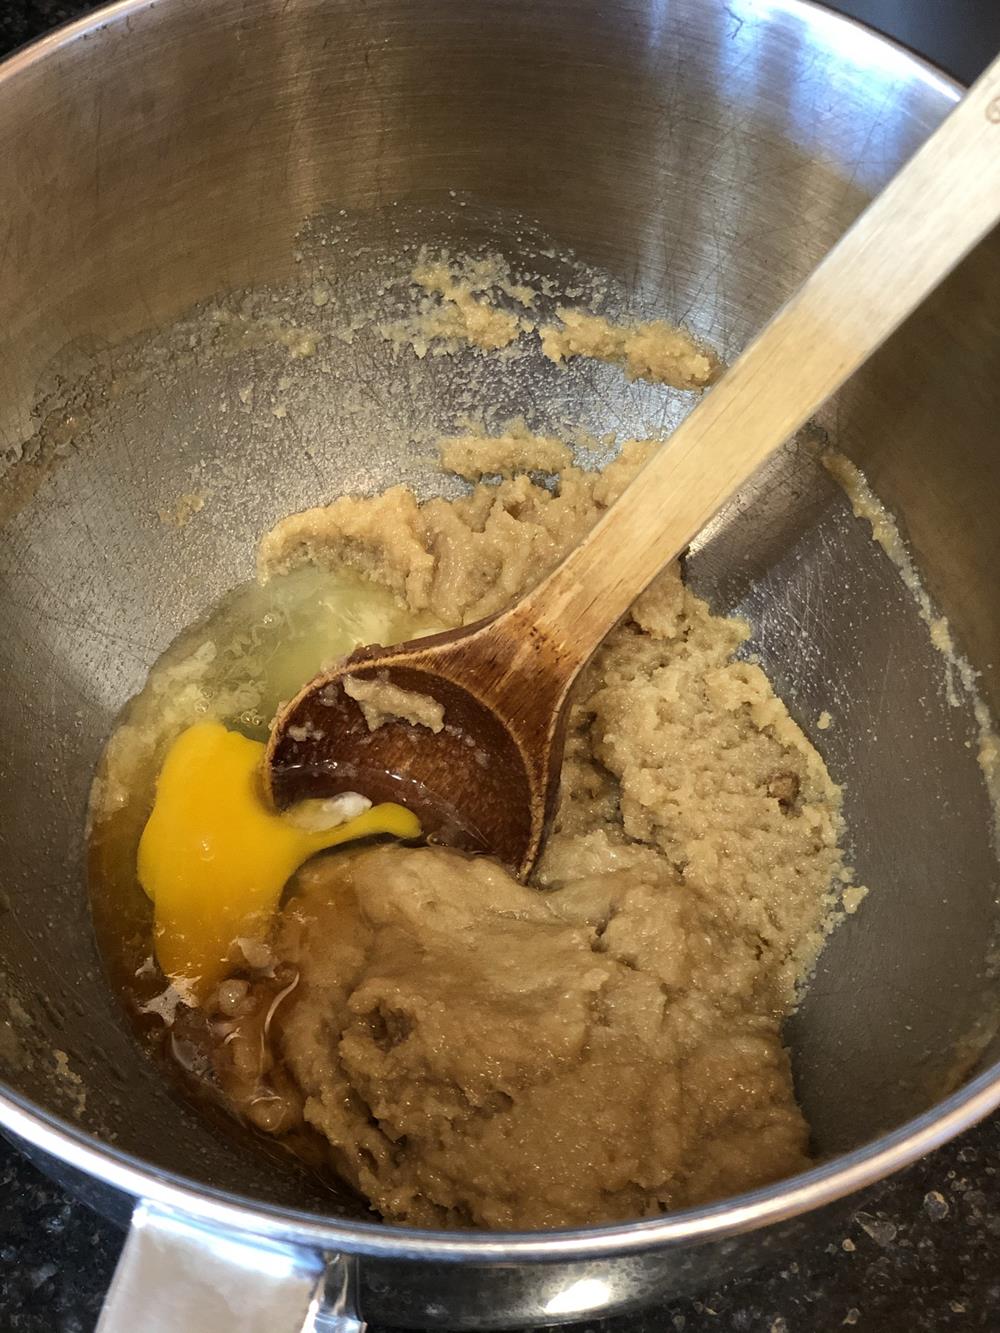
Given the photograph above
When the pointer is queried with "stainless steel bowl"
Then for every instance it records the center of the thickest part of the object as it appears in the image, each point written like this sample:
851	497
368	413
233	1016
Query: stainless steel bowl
704	155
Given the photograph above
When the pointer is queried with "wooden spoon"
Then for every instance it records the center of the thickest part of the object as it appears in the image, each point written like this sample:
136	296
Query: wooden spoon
488	780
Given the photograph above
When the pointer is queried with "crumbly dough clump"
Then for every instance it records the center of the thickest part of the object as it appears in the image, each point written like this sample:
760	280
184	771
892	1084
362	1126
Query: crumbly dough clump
654	351
459	309
517	449
455	311
607	1043
380	701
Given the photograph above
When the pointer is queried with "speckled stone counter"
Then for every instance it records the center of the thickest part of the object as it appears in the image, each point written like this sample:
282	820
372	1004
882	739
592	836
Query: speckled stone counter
920	1253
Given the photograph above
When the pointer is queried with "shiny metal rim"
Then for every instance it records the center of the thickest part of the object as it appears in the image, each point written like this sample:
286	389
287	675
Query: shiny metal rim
789	1198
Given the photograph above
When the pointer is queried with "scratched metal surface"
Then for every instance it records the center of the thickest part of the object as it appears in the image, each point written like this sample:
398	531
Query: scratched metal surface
702	156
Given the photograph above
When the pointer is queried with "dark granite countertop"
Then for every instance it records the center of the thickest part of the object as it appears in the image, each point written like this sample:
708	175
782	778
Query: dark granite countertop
920	1252
918	1255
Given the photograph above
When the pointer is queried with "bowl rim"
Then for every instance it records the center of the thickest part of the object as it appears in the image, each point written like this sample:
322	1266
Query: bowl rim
732	1216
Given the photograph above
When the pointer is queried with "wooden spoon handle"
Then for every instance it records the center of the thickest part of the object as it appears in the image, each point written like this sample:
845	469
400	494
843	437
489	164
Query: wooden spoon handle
936	209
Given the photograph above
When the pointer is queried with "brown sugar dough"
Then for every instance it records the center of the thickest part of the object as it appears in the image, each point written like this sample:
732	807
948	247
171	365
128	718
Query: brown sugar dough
479	1053
606	1044
462	559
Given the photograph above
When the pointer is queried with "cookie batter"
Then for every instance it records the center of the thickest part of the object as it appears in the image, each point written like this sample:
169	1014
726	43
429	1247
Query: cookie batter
605	1043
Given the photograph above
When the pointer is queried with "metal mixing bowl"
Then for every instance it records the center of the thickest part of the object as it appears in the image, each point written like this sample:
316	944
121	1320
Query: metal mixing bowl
703	155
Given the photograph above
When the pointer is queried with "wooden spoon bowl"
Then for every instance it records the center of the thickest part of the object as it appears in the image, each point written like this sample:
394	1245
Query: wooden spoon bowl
487	782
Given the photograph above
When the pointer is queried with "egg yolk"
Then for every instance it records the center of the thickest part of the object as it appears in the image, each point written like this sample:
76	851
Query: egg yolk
214	858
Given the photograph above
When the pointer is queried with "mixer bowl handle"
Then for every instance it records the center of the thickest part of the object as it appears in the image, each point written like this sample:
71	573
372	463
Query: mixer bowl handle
176	1275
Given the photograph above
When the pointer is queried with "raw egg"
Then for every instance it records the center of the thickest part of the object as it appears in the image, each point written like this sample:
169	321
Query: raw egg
214	858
